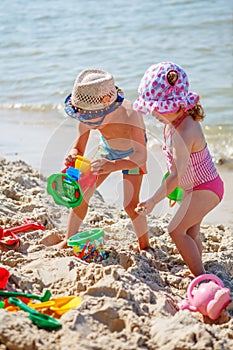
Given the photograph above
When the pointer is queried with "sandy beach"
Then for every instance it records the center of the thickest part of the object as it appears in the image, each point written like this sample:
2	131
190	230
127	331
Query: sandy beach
129	300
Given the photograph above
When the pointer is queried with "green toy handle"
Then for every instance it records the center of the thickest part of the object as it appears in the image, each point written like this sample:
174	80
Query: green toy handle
41	320
42	298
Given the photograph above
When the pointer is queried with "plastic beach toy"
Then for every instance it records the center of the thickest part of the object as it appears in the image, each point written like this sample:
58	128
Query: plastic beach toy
83	164
82	173
8	237
4	276
209	298
88	245
176	195
44	297
59	305
41	320
67	188
64	189
11	308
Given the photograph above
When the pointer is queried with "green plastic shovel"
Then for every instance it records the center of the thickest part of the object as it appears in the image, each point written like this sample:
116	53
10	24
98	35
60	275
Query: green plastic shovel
41	320
42	298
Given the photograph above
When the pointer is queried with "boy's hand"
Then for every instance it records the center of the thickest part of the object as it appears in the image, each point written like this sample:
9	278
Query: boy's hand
71	157
102	166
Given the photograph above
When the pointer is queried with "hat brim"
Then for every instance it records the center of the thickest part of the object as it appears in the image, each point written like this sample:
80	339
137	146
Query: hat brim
92	114
169	106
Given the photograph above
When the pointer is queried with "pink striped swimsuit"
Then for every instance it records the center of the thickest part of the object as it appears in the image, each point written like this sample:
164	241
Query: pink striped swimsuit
201	172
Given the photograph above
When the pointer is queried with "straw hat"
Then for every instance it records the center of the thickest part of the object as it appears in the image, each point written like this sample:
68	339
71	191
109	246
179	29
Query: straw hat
94	89
155	92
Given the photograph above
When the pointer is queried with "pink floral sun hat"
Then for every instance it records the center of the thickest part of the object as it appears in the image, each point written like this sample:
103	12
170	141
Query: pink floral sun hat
155	92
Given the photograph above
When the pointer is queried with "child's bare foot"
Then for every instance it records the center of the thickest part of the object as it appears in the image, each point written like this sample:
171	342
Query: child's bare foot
61	245
149	252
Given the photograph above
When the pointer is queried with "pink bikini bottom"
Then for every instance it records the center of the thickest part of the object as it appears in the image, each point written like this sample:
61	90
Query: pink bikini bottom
215	186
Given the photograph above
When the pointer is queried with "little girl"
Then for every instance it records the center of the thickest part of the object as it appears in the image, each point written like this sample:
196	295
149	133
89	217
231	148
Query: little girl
164	92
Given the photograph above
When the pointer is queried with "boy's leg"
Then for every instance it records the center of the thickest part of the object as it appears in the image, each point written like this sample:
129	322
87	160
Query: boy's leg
132	185
183	227
77	214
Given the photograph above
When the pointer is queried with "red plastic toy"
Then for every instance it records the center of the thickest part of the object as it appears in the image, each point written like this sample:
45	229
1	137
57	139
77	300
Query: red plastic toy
8	237
4	275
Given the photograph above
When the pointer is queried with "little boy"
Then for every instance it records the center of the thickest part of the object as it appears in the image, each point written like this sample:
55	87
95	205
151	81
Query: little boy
96	103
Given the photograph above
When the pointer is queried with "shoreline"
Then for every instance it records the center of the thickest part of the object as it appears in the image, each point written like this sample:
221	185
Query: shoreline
44	141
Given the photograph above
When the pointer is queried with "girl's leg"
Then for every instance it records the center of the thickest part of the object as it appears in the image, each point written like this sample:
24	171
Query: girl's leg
132	185
78	214
194	232
183	227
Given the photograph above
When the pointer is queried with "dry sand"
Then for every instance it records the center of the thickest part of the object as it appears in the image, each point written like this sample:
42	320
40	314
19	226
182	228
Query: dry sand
129	301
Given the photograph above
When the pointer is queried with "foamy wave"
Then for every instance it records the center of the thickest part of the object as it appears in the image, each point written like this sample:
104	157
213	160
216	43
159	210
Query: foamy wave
28	107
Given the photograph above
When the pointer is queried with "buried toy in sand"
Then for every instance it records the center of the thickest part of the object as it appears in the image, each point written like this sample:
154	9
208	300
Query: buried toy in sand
8	236
44	313
4	276
39	319
88	245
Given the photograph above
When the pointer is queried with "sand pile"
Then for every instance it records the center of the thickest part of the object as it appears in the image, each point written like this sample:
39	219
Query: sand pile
129	300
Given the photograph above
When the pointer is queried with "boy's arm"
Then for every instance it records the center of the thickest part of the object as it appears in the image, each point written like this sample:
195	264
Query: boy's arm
138	138
80	143
135	124
137	159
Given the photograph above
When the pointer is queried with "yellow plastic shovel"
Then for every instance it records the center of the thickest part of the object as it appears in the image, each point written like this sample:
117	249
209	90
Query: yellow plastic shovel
59	305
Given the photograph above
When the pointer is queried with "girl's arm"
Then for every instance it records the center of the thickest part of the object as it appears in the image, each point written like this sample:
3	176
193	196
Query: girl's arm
162	192
182	146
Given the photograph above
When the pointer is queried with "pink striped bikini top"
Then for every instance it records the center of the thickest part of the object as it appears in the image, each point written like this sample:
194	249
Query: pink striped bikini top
200	168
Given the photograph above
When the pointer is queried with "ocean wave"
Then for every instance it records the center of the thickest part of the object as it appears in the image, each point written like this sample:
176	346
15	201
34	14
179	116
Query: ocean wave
30	107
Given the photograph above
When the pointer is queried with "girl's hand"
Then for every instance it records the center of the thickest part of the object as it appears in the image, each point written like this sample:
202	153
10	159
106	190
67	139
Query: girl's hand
145	208
102	166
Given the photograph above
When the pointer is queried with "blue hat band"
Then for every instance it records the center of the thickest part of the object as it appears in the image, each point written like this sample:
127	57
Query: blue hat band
86	116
